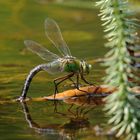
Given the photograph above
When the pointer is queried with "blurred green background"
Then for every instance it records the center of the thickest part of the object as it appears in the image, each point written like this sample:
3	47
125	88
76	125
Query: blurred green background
24	19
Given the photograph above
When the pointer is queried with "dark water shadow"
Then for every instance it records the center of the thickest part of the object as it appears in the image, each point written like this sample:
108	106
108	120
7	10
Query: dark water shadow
78	120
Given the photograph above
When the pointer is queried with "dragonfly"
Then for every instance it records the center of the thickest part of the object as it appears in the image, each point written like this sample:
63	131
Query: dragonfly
64	62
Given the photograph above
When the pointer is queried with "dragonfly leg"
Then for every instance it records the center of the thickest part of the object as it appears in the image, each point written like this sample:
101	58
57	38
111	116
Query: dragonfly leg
61	79
72	81
77	83
83	78
28	80
97	87
69	109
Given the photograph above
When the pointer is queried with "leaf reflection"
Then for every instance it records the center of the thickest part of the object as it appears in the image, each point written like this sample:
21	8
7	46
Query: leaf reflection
77	115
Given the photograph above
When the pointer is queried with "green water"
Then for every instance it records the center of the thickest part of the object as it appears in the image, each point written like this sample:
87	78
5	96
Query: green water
80	26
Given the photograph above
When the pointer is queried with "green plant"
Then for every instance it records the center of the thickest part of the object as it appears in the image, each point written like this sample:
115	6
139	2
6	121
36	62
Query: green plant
120	29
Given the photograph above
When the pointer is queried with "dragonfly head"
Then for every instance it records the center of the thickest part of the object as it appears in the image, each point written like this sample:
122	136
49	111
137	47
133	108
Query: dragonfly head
85	67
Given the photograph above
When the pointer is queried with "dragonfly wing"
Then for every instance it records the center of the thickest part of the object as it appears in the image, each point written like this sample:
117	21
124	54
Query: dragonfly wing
53	33
54	67
40	50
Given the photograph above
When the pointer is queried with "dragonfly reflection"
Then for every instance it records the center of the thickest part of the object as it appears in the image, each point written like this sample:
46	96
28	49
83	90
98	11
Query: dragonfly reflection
67	130
77	122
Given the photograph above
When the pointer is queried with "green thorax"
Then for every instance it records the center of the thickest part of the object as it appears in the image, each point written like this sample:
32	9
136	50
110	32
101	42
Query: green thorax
72	66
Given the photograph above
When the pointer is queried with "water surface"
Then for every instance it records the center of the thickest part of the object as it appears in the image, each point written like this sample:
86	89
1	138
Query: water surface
80	26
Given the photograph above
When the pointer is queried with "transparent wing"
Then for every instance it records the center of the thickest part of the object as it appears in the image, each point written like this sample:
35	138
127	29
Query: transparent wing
53	33
41	51
54	67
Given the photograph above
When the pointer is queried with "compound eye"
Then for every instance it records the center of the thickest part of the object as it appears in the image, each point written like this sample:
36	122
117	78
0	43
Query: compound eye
88	68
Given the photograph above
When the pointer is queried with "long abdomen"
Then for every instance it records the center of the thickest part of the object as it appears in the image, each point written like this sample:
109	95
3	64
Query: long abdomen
29	78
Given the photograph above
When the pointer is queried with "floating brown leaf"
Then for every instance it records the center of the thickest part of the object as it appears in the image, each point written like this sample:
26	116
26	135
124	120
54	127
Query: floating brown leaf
96	91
